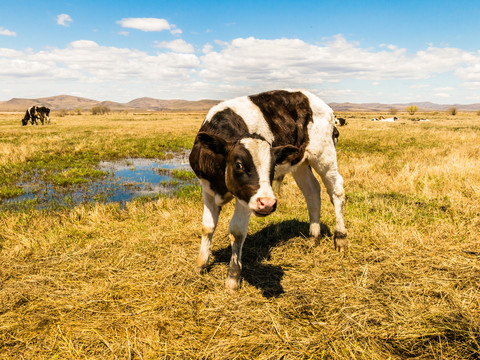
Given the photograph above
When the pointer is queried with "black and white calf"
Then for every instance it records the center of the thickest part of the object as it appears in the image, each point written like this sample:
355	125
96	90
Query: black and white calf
36	112
247	142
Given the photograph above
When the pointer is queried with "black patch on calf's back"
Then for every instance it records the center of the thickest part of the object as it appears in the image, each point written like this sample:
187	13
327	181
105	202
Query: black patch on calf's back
287	114
227	124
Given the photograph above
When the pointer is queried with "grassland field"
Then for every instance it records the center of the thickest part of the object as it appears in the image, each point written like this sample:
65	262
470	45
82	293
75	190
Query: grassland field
105	281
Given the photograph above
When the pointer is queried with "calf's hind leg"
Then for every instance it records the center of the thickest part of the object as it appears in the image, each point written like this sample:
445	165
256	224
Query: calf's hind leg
310	188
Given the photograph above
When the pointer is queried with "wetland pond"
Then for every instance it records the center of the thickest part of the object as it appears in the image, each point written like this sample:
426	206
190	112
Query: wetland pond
120	181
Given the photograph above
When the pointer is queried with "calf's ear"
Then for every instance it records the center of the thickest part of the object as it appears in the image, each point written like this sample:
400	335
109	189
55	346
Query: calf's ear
284	154
213	142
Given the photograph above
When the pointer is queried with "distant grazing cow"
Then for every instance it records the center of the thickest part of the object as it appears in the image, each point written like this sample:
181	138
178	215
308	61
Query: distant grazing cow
36	112
340	121
392	119
381	118
244	144
29	115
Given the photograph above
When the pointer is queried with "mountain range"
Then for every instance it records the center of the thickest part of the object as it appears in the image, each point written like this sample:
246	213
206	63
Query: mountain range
67	102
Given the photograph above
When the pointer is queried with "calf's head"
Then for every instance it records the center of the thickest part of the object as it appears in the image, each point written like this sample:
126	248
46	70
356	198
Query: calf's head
249	170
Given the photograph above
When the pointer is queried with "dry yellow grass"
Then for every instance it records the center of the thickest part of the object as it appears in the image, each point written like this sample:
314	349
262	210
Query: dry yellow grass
104	282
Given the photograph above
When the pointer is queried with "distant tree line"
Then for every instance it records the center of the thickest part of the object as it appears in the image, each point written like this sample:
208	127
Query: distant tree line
100	110
412	109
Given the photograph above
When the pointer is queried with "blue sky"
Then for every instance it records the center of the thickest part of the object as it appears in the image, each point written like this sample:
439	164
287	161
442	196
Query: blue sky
344	51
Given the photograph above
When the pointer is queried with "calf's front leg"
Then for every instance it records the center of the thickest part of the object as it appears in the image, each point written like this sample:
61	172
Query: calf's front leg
211	211
237	229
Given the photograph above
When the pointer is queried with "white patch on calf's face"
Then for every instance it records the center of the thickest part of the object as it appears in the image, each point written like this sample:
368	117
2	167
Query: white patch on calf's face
260	151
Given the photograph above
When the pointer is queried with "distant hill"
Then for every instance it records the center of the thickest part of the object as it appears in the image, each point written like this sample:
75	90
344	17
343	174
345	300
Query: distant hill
171	105
67	102
422	106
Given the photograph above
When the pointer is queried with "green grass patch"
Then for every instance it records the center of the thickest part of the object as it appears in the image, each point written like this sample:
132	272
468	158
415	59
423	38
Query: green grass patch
170	183
76	176
10	192
189	192
185	175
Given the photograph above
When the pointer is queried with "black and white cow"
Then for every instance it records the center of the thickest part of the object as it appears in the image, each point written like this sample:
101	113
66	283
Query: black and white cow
247	142
36	112
340	121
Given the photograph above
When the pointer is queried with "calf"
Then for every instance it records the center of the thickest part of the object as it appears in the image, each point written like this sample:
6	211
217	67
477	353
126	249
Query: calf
246	143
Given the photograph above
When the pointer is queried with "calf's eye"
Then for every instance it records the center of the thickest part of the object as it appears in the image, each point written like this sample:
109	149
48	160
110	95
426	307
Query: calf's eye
239	165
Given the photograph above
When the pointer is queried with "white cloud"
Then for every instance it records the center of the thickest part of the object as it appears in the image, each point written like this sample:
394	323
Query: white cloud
123	33
111	64
149	24
10	53
443	95
293	61
469	73
339	68
389	46
444	88
420	86
7	32
64	20
178	45
207	48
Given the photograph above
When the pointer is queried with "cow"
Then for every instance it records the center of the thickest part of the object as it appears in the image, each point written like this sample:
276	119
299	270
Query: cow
381	118
247	142
36	112
340	121
29	114
392	119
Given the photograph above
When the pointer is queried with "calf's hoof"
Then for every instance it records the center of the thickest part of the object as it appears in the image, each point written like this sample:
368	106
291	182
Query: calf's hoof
232	284
340	240
200	269
315	230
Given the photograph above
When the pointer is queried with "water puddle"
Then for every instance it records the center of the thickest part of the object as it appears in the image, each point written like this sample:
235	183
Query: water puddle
124	181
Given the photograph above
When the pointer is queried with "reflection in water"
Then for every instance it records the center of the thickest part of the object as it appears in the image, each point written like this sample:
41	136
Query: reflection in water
144	177
126	180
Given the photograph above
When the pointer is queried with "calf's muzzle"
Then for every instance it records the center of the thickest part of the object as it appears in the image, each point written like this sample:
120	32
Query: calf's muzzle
265	206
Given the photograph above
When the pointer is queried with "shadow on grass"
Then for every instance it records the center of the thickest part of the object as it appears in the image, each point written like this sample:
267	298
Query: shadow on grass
256	251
